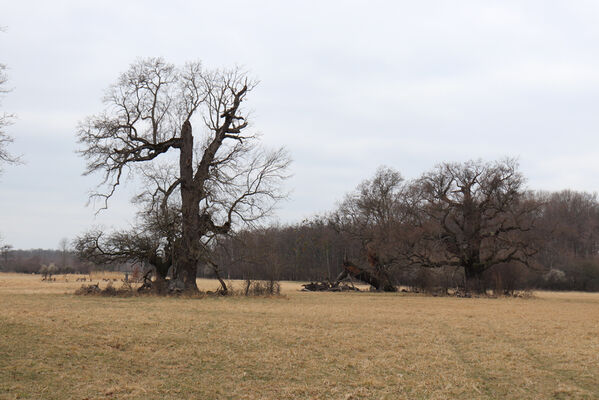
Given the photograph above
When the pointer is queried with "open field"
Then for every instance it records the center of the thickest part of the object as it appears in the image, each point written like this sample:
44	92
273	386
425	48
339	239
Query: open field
54	345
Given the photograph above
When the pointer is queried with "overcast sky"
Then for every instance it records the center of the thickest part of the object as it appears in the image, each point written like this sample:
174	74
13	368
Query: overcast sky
346	86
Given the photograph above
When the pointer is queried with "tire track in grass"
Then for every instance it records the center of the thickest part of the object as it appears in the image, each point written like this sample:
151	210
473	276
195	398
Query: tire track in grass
518	371
584	386
472	372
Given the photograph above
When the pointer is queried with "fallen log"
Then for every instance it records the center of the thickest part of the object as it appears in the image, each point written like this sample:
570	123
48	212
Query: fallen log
378	278
375	275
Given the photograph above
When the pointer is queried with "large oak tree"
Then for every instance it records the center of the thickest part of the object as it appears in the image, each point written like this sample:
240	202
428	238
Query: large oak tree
472	215
219	174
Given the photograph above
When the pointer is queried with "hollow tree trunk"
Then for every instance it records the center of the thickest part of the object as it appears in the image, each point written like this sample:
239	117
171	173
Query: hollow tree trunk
473	278
189	252
161	266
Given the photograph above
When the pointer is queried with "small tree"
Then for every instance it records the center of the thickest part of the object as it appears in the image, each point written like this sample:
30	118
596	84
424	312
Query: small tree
47	271
5	254
63	247
372	214
221	179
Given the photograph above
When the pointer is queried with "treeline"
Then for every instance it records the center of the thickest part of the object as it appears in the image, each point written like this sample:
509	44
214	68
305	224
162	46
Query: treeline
30	261
462	224
63	261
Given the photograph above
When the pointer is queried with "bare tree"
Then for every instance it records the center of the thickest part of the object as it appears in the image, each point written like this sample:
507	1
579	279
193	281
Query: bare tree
220	179
5	121
63	247
372	216
5	254
473	215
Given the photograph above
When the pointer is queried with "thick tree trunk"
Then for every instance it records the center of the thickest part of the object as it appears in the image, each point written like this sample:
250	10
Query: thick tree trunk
189	252
473	279
159	285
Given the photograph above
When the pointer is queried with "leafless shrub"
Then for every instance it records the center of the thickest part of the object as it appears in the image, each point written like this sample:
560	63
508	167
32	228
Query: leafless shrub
259	288
126	290
47	271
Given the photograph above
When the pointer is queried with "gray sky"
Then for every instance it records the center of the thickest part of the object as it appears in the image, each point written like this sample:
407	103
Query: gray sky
345	85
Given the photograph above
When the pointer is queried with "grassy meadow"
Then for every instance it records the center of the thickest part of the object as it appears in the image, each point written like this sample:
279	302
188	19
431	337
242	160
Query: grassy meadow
55	345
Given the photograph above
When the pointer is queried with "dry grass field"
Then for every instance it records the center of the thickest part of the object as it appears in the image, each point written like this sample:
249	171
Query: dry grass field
55	345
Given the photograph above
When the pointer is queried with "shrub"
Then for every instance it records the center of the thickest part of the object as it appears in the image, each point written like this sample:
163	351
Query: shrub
261	288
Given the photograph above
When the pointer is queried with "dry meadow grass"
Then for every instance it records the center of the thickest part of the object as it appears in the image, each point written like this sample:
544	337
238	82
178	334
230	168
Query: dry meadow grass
54	345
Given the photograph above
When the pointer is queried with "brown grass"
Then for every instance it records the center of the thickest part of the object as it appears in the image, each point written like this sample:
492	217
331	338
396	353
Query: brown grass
54	345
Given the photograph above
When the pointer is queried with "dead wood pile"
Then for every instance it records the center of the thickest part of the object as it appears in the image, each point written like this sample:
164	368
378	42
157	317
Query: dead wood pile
328	287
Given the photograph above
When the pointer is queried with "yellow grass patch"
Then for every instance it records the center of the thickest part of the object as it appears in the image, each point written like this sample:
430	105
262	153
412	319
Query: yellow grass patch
54	345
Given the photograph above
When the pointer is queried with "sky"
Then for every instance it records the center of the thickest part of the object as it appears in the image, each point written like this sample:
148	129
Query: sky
345	86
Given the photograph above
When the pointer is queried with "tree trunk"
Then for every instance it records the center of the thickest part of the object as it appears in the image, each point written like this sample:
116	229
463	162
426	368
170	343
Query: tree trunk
473	279
189	252
159	285
224	290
